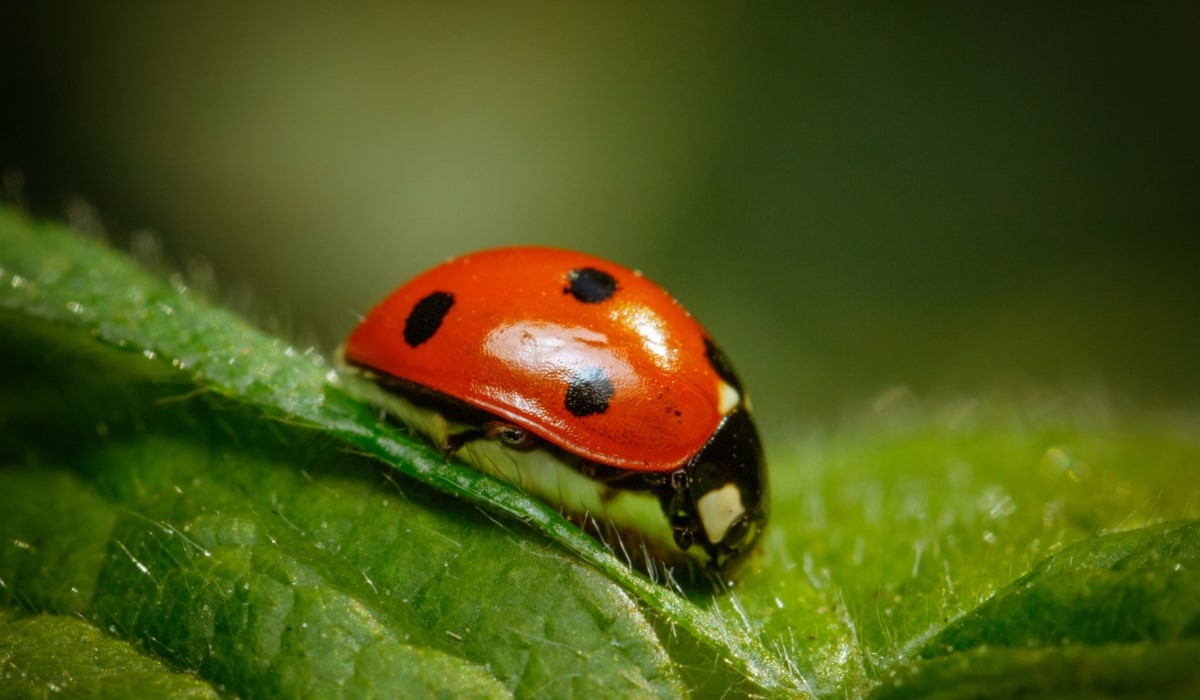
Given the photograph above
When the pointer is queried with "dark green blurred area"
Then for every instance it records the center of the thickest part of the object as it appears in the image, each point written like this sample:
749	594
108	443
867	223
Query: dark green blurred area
954	201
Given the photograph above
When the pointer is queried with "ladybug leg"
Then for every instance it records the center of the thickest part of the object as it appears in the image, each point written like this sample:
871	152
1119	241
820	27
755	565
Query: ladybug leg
454	441
506	434
680	510
509	435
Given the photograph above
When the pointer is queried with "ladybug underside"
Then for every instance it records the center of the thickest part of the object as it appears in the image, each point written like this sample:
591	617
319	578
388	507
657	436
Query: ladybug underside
651	519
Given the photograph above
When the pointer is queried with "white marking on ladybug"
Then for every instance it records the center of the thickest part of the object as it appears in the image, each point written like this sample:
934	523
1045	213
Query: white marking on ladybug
719	509
727	398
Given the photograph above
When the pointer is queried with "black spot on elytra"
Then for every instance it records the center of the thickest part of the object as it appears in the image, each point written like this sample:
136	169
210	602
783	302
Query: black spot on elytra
426	317
589	392
589	285
721	364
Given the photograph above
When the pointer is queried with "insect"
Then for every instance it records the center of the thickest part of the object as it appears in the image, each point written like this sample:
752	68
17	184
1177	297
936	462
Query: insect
585	384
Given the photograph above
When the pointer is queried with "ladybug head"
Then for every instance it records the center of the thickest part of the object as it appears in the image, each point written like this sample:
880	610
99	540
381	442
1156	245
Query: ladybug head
719	499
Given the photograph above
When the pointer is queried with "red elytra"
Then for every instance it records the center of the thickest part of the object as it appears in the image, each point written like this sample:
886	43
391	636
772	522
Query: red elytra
581	352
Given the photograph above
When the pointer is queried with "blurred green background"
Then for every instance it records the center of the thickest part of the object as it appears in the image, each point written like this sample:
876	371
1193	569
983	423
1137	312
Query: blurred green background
951	199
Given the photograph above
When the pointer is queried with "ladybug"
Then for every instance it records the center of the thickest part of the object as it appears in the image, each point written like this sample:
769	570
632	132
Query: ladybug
585	384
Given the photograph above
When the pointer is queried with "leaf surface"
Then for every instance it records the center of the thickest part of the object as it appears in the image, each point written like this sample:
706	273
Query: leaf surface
226	505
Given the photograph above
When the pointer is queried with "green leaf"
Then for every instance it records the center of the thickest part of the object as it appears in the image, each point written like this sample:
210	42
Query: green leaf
230	506
62	657
1114	614
1067	599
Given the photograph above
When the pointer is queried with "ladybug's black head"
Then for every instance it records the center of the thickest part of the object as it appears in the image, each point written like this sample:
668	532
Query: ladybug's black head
719	503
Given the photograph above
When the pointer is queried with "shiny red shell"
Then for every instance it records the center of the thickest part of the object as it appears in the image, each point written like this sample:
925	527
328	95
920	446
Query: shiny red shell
505	334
